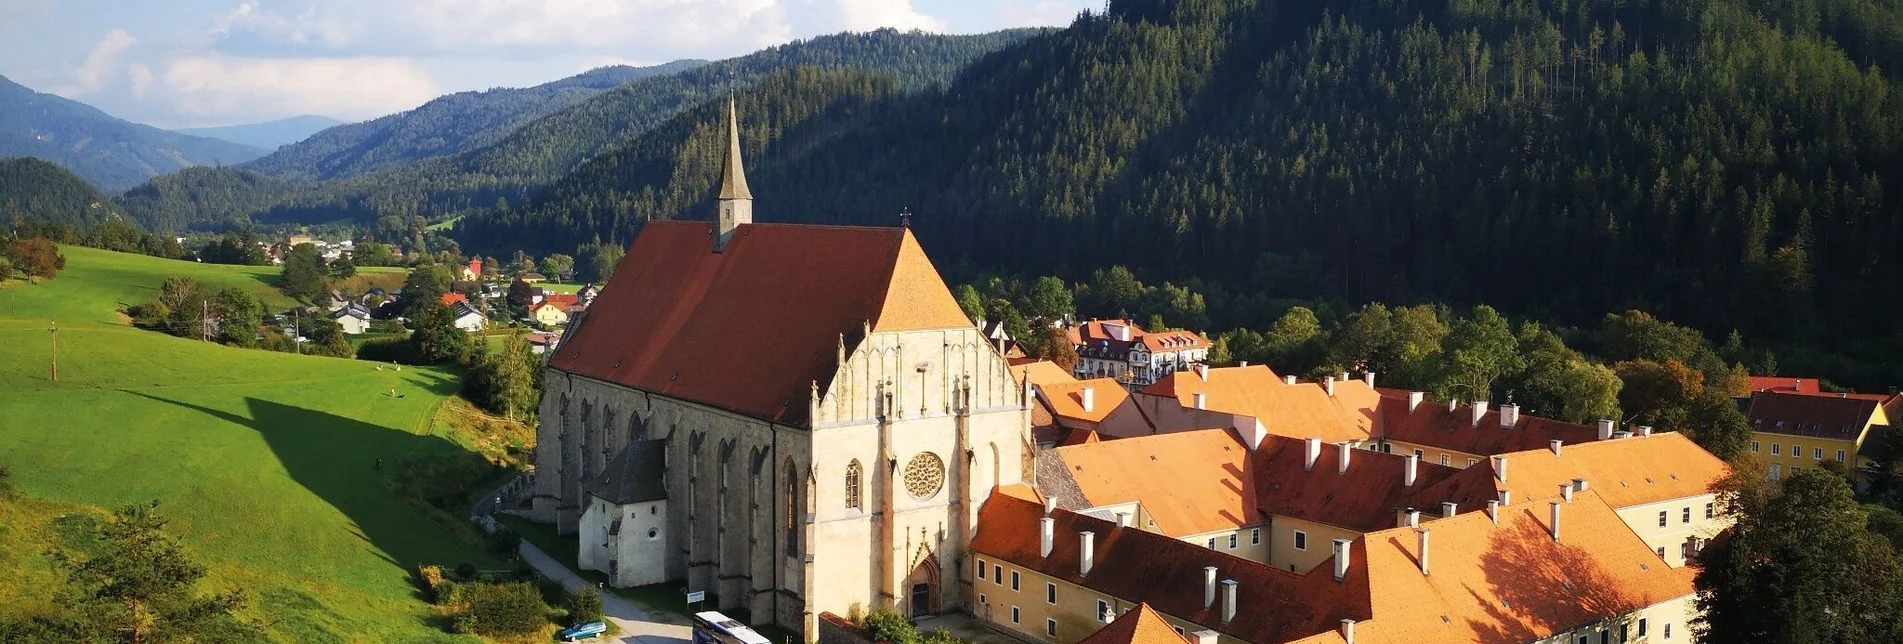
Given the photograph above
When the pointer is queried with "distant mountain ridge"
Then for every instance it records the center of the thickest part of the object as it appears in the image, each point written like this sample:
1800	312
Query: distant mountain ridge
111	153
269	135
446	125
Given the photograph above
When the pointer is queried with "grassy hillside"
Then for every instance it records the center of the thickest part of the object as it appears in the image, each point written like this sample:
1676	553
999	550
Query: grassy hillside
266	461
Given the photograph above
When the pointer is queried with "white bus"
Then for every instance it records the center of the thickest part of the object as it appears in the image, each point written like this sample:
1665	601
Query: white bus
714	628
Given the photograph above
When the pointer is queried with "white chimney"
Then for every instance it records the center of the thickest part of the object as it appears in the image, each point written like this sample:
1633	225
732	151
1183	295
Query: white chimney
1500	467
1204	637
1202	371
1090	399
1050	505
1199	399
1228	600
1288	380
1343	377
1046	529
1556	505
1413	518
1086	552
1621	434
1368	377
1341	559
1348	631
1414	399
1242	363
1479	409
1410	468
1579	484
1566	492
1555	444
1314	452
1453	404
1506	497
1328	384
1345	452
1509	415
1645	430
1605	429
1209	586
1123	519
1448	508
1423	533
1493	511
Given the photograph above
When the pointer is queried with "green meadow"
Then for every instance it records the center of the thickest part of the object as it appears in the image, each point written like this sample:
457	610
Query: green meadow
266	462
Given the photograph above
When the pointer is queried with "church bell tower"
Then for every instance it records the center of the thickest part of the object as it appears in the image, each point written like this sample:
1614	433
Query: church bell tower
736	202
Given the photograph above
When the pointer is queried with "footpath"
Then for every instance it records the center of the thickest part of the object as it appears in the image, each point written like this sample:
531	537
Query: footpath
637	626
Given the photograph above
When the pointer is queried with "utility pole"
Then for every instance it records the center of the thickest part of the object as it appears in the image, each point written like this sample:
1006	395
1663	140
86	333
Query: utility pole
297	344
52	330
204	321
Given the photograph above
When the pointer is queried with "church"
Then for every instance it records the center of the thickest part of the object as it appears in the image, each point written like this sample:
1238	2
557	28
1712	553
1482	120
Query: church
814	420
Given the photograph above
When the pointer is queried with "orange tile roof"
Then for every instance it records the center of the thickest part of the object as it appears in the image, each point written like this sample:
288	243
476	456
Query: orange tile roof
1189	482
1066	399
752	328
1821	416
1783	383
1510	582
450	299
561	299
1364	499
1080	436
1039	372
1300	410
1100	333
1431	424
1625	472
1274	605
1141	625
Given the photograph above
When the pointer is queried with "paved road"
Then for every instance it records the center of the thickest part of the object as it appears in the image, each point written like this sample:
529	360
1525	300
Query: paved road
636	626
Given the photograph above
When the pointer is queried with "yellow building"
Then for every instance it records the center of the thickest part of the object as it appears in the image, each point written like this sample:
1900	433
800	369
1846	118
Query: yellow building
1793	431
549	313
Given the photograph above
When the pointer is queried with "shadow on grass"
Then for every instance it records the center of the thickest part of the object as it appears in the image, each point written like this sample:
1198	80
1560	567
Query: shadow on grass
336	458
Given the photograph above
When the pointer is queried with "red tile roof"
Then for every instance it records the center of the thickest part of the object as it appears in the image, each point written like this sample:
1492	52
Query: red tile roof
1274	605
1431	424
1822	416
753	328
450	299
1364	499
1141	625
1103	333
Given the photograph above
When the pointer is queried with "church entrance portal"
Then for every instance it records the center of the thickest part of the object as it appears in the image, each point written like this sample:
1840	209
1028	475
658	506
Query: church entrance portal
921	599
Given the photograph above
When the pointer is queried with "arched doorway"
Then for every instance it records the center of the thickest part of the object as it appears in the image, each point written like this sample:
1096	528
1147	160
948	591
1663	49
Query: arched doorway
921	588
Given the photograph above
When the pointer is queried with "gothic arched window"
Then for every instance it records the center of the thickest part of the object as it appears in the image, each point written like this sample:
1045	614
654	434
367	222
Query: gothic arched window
792	525
852	485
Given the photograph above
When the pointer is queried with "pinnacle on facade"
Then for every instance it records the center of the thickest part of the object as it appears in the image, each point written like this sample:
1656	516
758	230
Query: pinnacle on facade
733	177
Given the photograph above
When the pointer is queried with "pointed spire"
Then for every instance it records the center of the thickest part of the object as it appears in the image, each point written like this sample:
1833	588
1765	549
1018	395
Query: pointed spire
733	177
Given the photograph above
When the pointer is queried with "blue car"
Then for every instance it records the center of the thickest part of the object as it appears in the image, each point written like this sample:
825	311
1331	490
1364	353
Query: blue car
582	631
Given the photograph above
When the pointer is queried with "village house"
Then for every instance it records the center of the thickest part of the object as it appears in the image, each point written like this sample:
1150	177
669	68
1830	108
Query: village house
548	313
353	317
1122	350
1793	430
467	317
471	272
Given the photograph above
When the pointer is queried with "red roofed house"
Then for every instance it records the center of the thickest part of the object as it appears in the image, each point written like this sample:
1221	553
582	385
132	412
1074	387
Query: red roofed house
1792	430
1122	350
451	299
472	272
831	420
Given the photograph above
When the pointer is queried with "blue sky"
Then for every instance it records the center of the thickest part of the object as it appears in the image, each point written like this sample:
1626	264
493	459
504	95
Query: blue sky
183	63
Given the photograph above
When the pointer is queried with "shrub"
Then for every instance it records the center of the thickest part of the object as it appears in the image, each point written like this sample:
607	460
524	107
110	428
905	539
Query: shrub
465	571
886	625
432	580
502	541
499	609
585	607
398	350
150	314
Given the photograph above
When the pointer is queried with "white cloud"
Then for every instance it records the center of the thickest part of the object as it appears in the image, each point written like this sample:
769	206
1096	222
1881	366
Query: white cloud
864	15
212	84
141	78
100	65
12	11
1042	13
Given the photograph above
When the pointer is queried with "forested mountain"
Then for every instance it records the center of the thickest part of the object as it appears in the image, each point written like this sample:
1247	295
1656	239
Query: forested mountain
193	196
541	151
444	126
36	189
1729	163
269	135
111	153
